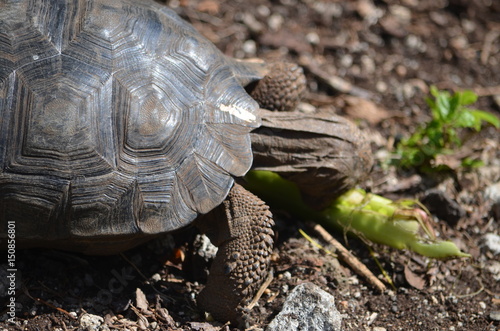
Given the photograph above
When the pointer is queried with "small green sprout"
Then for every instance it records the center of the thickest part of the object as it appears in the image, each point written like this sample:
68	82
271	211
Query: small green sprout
440	135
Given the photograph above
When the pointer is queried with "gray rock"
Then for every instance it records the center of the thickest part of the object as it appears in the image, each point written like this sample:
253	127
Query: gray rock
495	315
198	261
307	308
494	269
492	242
89	322
492	193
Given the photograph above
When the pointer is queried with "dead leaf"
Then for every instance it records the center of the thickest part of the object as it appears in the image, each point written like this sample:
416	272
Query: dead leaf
203	326
450	161
140	300
393	27
286	38
365	109
209	6
165	316
142	322
415	280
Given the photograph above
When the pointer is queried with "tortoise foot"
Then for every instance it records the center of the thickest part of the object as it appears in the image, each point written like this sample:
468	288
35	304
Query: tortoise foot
244	236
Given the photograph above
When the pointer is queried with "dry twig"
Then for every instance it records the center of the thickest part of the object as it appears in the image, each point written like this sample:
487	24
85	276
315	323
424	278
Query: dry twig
350	259
49	305
261	290
334	82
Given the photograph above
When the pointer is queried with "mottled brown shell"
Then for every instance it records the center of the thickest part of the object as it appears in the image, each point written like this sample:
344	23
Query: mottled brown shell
117	120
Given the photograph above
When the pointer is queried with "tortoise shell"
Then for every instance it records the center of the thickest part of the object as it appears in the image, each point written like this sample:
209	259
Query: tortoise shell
118	121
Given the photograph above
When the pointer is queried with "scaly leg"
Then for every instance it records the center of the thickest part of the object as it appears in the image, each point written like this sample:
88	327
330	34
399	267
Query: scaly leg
241	228
282	87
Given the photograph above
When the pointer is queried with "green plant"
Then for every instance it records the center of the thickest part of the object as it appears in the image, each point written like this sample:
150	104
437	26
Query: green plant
371	217
441	136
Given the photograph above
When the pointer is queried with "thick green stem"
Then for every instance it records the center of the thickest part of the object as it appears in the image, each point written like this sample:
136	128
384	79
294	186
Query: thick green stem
369	216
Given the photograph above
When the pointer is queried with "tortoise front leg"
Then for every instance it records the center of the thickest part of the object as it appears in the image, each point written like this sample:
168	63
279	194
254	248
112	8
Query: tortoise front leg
241	228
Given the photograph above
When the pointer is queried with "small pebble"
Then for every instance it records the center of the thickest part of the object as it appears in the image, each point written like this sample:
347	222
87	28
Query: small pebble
381	86
408	91
346	60
368	64
250	47
263	11
306	108
91	322
252	23
414	42
313	38
328	9
156	277
496	99
275	22
401	70
494	268
353	280
402	14
468	26
459	42
174	4
495	315
438	18
492	242
369	11
492	192
371	318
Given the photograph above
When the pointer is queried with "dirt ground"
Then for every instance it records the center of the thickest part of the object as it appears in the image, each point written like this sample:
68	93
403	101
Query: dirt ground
390	52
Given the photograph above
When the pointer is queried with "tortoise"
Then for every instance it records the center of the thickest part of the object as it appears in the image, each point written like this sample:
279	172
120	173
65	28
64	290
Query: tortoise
119	122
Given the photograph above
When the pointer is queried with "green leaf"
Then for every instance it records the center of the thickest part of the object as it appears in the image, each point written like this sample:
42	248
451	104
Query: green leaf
466	119
440	135
471	163
467	97
454	106
443	106
434	109
434	91
487	117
